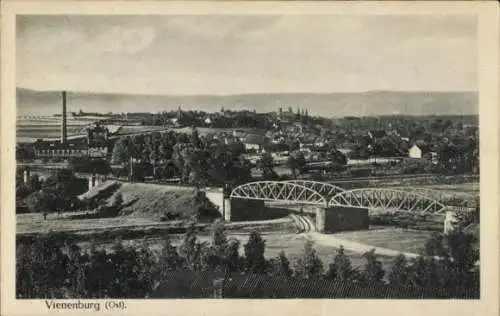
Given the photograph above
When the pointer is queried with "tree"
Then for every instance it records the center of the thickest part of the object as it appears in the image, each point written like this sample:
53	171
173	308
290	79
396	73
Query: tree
169	259
41	201
447	156
300	161
118	200
218	236
232	256
308	265
241	171
254	253
280	266
424	273
222	254
293	165
341	268
195	138
266	164
336	157
372	273
399	274
459	253
64	183
153	158
179	156
198	163
137	146
146	152
121	152
34	183
191	250
22	191
215	256
24	153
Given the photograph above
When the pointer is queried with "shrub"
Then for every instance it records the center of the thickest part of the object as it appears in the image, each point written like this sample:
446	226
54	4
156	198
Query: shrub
254	253
118	202
308	265
53	266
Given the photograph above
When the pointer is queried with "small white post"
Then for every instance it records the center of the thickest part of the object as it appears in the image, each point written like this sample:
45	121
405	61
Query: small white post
26	176
450	222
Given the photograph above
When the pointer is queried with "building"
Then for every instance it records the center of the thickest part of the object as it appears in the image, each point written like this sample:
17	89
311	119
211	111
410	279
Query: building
98	141
54	149
375	134
252	143
420	150
95	145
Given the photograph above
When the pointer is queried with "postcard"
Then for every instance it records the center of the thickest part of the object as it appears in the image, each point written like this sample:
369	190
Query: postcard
304	158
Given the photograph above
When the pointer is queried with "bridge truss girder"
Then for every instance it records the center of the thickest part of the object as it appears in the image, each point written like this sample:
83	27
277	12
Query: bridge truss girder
327	190
387	199
279	192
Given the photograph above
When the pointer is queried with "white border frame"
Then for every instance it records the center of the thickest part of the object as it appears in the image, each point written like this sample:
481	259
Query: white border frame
487	13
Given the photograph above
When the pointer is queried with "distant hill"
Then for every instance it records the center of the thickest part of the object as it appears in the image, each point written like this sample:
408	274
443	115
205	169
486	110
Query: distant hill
372	103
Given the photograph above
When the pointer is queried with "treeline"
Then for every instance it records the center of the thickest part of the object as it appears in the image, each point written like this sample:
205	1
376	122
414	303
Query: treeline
197	160
53	267
58	192
223	119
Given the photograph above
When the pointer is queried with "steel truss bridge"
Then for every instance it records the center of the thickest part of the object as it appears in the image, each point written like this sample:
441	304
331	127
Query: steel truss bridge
325	189
278	191
307	192
387	199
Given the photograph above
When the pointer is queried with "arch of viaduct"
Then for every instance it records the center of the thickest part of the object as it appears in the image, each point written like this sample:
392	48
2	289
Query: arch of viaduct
315	193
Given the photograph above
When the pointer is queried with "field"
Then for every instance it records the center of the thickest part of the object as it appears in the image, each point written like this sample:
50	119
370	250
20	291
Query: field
471	188
291	244
31	129
465	192
388	237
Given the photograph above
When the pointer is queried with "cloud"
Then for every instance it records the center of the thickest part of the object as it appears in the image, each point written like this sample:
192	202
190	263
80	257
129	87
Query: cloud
119	39
243	53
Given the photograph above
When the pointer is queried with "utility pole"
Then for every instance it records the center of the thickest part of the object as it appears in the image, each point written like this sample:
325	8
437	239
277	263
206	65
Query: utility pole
131	173
224	207
224	195
226	192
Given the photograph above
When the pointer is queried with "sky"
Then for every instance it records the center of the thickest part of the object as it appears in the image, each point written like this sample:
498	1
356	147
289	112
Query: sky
235	54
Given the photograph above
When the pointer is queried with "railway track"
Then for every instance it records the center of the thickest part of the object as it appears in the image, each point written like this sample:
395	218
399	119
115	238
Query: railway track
387	177
304	224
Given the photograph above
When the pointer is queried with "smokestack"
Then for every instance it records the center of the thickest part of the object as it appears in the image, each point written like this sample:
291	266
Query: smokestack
63	123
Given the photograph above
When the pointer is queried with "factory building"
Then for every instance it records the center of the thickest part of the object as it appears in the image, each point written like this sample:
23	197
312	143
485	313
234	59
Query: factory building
94	145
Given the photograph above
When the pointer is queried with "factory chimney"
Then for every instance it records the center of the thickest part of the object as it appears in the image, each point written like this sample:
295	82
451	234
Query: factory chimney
63	123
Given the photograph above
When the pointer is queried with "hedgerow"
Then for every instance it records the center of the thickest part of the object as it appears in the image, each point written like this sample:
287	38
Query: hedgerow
56	267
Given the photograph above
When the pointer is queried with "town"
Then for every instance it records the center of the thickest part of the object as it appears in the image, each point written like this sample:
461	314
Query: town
254	156
281	143
143	168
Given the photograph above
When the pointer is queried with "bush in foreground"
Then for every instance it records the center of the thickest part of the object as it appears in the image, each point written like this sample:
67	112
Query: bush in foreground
55	267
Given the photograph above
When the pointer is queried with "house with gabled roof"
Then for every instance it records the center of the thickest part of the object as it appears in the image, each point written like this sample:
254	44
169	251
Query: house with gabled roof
422	150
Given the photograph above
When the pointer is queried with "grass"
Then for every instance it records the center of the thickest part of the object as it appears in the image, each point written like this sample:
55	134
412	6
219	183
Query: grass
34	223
291	244
388	237
144	205
152	201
